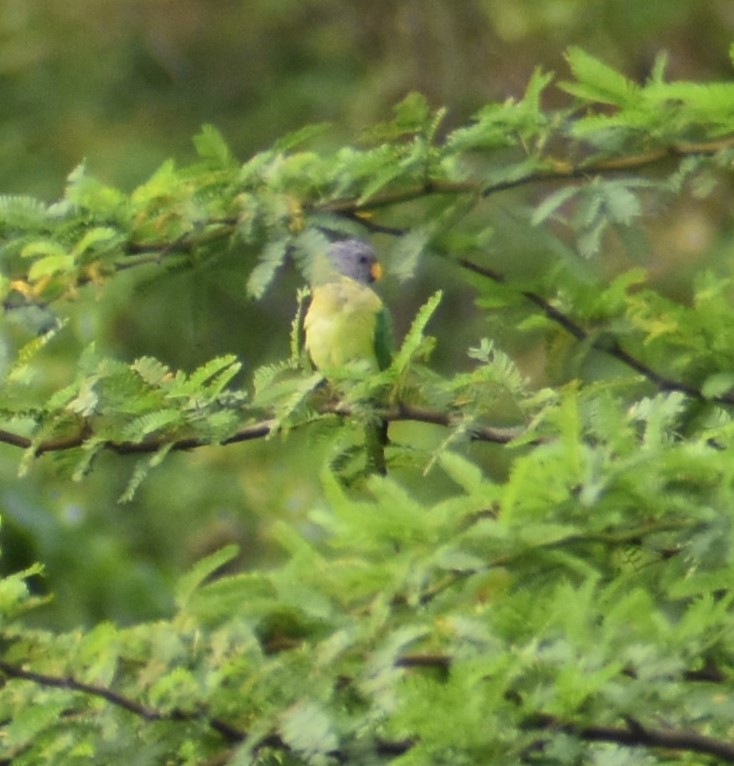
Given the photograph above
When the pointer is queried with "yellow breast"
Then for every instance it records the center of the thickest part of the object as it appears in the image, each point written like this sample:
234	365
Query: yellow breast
340	324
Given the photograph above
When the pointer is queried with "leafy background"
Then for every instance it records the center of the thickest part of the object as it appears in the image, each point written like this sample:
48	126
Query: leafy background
558	248
124	85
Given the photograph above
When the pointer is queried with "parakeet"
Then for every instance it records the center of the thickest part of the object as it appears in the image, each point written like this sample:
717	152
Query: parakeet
347	323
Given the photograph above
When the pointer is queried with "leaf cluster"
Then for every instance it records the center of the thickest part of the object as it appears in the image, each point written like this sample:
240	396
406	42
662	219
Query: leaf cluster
568	602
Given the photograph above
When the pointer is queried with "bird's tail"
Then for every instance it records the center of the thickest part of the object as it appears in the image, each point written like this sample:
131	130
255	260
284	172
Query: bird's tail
376	439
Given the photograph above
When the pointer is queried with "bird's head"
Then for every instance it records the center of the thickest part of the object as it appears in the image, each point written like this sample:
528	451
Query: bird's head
355	259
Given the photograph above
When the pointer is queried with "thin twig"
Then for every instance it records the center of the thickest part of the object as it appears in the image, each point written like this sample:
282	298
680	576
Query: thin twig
145	712
258	430
558	170
612	348
635	735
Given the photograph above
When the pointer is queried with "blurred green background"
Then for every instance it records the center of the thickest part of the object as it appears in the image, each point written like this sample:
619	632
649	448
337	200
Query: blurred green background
124	84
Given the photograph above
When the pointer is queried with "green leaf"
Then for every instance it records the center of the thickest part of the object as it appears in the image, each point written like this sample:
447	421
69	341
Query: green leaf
30	721
412	112
92	239
551	203
86	400
718	384
308	730
250	594
462	471
45	248
216	373
538	82
15	594
597	81
144	465
50	265
406	253
152	371
163	183
301	136
411	115
22	212
201	571
138	429
271	259
211	146
497	125
86	192
310	249
415	341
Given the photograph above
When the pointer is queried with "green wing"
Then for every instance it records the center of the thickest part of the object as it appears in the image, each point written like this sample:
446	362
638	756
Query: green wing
383	338
376	430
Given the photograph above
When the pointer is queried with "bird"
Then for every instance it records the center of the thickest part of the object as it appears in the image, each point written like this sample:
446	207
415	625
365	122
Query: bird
348	324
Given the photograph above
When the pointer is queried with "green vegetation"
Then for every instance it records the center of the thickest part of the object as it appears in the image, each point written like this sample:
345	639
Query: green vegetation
543	576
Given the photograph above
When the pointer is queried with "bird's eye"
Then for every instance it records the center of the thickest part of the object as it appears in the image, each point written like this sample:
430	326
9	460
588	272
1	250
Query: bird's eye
364	259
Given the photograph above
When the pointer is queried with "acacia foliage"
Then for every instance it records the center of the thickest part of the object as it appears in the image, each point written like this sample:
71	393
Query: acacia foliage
575	610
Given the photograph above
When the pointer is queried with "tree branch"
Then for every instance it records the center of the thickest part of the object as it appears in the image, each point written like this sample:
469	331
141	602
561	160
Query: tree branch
612	348
137	253
635	735
258	430
229	732
559	170
140	253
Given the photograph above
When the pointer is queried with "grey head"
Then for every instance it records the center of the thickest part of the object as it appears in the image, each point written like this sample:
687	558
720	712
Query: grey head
356	259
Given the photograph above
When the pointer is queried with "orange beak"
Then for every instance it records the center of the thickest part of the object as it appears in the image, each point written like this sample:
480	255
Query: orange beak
376	271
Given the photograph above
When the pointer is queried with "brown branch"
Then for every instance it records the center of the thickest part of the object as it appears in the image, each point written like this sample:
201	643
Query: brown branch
612	348
632	736
228	732
559	170
150	252
409	412
145	712
439	661
255	431
565	171
612	538
399	196
710	673
635	735
147	252
258	430
15	440
138	253
61	682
